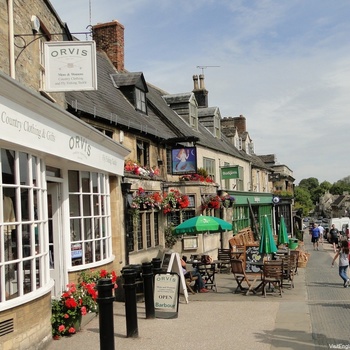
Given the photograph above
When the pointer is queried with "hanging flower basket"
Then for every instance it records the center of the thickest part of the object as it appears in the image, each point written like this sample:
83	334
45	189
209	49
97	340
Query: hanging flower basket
174	199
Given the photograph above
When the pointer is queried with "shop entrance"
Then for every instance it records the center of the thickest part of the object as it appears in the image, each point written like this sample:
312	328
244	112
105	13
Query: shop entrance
55	237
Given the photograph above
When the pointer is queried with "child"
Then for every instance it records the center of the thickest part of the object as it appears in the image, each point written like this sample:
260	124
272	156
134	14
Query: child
343	254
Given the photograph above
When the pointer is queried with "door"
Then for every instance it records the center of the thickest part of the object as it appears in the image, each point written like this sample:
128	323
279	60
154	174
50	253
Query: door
55	237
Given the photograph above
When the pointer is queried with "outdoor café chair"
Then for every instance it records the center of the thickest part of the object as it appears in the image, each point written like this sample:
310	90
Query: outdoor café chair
245	281
272	276
224	257
207	272
190	282
288	271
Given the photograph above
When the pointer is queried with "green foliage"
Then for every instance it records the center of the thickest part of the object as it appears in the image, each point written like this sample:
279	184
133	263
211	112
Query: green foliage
170	238
340	187
303	200
202	171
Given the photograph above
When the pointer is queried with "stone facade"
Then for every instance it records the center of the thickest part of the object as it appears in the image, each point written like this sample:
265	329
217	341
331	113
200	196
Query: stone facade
37	314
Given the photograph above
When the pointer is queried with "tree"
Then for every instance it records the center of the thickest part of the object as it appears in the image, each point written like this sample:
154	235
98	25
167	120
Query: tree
309	184
303	200
340	187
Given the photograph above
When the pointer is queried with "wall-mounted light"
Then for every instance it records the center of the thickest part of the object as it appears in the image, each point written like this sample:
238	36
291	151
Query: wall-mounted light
35	24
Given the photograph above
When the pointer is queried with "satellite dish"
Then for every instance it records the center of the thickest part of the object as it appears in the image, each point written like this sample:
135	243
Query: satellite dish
35	23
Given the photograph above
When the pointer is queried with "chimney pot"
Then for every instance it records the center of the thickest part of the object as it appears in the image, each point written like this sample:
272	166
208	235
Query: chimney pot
195	82
201	82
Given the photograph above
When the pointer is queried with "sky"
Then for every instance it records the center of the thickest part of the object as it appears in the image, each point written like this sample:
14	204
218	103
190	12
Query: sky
282	64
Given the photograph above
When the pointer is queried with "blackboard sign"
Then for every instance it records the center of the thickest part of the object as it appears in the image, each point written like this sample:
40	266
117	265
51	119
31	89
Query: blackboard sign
252	255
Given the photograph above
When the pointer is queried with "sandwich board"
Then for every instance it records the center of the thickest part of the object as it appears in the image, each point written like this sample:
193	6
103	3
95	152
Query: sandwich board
171	263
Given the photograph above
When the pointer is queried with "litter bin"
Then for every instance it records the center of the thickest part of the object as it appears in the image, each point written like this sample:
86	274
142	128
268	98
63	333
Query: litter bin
293	243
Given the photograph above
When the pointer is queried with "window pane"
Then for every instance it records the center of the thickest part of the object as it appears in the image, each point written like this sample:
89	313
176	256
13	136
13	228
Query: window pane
26	205
85	181
75	230
86	205
73	178
23	168
94	179
74	205
8	166
87	229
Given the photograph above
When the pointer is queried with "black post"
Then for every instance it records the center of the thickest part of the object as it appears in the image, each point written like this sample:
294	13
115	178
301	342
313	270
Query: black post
129	276
147	275
156	262
105	310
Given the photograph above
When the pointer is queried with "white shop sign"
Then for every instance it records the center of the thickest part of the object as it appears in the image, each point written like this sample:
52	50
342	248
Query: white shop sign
70	66
166	295
21	125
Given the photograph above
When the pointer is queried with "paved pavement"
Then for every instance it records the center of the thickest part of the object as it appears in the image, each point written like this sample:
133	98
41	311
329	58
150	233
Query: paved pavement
313	315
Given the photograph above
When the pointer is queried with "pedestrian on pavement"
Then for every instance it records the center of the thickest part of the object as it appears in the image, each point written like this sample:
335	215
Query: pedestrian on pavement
315	236
334	232
321	229
343	254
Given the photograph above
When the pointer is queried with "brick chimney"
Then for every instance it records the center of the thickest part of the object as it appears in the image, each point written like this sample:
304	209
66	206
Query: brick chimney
109	37
200	92
240	124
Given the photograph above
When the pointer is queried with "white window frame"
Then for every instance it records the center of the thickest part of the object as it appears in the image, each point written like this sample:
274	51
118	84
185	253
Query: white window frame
24	273
90	217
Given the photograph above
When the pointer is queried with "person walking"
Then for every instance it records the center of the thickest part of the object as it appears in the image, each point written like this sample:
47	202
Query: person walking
343	254
334	232
315	236
321	229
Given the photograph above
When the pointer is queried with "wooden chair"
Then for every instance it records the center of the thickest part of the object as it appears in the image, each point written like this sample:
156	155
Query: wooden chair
272	275
190	282
224	256
288	271
207	271
295	257
241	277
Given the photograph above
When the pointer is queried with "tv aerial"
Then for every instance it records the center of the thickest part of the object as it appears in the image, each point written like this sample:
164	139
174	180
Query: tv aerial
205	67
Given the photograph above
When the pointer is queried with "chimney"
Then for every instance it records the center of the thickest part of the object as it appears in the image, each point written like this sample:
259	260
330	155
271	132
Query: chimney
109	37
195	82
201	93
240	124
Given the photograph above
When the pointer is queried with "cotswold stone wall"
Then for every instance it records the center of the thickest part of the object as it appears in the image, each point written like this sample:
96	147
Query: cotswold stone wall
30	324
29	65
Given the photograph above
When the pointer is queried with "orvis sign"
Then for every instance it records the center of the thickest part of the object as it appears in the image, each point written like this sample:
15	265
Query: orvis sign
230	172
70	66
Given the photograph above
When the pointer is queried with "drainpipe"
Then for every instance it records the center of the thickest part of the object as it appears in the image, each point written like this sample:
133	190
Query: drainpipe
11	40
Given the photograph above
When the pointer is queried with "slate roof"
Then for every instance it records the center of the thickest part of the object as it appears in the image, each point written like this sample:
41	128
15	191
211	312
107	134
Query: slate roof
109	104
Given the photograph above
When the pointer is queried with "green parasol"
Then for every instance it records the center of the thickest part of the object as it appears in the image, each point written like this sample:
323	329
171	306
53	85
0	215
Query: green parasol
202	223
267	243
282	232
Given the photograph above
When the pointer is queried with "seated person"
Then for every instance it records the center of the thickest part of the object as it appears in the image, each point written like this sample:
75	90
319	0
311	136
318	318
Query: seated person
199	281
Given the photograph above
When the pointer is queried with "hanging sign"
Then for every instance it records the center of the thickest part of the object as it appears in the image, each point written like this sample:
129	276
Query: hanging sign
70	66
230	172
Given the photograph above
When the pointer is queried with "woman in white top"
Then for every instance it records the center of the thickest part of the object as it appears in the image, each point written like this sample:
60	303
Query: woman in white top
343	254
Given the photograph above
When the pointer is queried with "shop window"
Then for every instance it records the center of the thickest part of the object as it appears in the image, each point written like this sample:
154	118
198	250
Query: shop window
89	217
23	222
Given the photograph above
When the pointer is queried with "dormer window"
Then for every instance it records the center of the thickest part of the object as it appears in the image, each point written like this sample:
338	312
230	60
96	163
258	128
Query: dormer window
217	127
193	120
140	98
239	143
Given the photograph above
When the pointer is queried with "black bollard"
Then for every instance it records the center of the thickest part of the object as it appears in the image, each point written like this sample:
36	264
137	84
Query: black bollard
129	276
147	276
105	310
156	263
